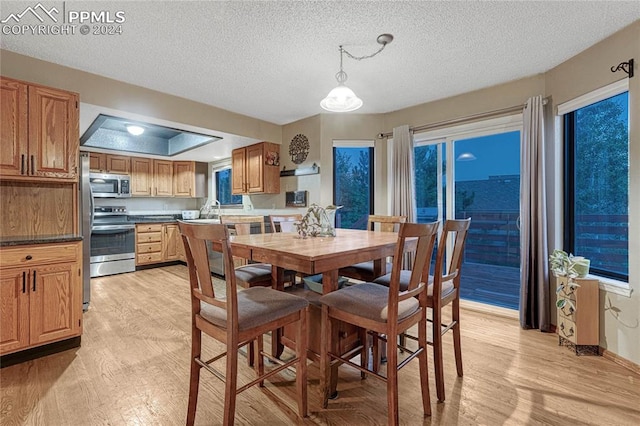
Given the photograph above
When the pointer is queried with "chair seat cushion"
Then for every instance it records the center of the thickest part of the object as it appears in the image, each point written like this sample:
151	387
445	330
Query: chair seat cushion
256	306
253	273
405	277
363	268
368	300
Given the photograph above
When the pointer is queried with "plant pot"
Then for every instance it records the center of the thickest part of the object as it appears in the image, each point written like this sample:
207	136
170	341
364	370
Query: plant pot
581	266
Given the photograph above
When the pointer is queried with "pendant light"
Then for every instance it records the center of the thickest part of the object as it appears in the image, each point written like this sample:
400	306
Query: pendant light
341	98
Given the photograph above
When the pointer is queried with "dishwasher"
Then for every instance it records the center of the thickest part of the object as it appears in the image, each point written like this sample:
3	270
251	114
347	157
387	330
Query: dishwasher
216	264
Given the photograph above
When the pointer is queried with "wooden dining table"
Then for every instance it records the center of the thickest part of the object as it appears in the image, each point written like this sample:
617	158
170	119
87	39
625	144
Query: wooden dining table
315	255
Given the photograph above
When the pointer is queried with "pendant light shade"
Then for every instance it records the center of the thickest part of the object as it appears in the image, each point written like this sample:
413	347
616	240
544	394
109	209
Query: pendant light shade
341	99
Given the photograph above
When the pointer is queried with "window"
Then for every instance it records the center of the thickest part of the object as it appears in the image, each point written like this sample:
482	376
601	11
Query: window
353	185
597	185
474	171
223	188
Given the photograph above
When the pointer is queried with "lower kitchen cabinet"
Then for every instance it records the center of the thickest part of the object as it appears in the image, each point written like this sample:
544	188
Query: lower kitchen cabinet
158	243
40	295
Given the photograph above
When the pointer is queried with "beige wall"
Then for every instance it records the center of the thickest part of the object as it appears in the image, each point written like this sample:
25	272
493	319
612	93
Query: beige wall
105	92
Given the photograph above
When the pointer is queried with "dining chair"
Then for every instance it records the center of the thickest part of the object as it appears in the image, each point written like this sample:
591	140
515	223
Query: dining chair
284	222
385	310
248	274
445	282
237	319
364	271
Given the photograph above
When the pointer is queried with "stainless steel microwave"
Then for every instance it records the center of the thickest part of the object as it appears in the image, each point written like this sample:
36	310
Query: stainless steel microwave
110	185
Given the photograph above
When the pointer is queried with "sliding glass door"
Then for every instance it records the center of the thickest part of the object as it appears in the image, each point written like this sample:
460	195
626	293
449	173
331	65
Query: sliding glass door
476	173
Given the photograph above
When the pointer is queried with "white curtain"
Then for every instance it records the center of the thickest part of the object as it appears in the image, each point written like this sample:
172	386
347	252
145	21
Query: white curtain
403	191
534	276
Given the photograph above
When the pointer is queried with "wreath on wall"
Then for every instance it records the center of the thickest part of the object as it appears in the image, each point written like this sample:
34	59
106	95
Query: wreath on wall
299	148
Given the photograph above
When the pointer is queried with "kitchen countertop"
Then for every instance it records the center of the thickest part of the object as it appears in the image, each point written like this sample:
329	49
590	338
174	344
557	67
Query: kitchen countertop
41	239
163	218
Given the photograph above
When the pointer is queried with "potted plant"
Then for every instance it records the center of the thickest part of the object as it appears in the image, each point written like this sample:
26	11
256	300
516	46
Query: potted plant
567	268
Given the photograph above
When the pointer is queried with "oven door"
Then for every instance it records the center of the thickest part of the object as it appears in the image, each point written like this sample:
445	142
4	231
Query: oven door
112	242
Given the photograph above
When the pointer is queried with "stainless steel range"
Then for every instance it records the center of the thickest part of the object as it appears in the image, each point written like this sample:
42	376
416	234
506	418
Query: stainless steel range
113	248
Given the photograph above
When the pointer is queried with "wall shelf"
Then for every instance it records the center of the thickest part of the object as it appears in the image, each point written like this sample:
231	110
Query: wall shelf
313	170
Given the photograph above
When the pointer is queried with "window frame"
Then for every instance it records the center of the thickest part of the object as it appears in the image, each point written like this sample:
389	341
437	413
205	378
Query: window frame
356	144
569	181
215	193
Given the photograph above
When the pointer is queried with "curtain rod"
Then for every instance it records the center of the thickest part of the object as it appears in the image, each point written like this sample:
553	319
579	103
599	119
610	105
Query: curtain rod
472	117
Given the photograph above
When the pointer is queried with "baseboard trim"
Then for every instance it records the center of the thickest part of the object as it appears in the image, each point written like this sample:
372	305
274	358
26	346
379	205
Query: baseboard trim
629	365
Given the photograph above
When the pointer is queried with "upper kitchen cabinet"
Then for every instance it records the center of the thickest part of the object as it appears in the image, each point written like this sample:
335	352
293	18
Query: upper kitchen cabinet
151	178
141	176
189	179
255	169
39	132
109	163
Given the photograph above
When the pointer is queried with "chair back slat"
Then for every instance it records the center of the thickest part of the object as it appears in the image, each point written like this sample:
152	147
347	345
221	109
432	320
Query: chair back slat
284	222
195	237
426	234
385	223
457	230
242	224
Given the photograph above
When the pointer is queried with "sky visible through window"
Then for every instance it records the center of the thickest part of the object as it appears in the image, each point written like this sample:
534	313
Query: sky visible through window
494	156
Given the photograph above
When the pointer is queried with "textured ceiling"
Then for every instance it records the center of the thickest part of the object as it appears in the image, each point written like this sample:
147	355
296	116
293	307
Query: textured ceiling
276	60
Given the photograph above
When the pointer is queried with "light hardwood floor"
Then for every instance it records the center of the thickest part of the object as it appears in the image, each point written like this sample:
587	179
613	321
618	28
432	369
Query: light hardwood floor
132	369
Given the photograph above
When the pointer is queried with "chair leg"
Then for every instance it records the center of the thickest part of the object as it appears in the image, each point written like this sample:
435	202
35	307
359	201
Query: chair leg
250	354
455	313
424	368
194	379
375	352
325	369
437	355
392	379
301	369
364	352
259	359
230	384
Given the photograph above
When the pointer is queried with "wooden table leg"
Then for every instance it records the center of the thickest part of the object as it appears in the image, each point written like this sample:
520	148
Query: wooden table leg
329	284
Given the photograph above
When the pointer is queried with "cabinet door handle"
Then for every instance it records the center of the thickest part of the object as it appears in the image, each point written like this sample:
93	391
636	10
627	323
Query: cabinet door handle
24	281
33	166
22	165
34	281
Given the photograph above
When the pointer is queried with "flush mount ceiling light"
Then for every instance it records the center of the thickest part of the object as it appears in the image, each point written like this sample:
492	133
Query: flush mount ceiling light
135	130
342	99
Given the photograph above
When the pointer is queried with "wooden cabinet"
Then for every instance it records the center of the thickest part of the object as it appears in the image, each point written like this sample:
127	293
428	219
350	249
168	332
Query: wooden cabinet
158	243
109	163
255	169
148	243
40	295
151	178
189	179
39	131
578	313
141	176
171	242
163	178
